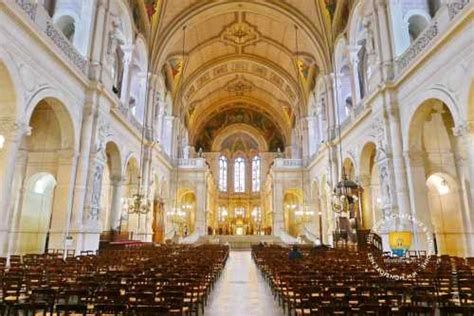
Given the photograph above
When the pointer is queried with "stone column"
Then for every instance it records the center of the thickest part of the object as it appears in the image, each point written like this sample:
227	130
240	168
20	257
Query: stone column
201	197
116	205
19	189
464	155
356	96
402	202
100	38
383	43
13	133
418	195
62	204
313	135
83	166
168	127
159	121
126	79
278	222
368	218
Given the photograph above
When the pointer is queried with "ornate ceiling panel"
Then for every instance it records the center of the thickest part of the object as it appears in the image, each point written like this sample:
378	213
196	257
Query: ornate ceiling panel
258	120
240	51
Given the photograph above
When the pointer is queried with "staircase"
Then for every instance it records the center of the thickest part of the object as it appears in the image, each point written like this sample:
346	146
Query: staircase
243	242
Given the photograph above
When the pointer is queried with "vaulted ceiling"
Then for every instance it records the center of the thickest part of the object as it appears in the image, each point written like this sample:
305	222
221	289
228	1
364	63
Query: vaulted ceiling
258	55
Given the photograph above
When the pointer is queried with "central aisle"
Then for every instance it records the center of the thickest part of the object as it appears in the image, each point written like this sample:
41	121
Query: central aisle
241	290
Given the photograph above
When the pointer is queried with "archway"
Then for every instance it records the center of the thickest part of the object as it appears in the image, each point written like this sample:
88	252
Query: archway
443	201
130	223
434	169
370	181
36	213
44	165
7	93
349	170
111	191
187	204
292	207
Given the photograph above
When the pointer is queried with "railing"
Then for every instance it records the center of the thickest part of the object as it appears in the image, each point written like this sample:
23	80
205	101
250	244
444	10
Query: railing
41	18
417	47
288	163
191	163
425	39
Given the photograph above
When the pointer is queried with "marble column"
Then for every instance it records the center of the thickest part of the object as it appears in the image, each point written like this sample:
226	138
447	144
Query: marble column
418	195
13	133
18	196
100	36
464	156
83	166
126	79
168	127
383	43
312	131
355	84
201	197
62	204
117	183
278	222
402	201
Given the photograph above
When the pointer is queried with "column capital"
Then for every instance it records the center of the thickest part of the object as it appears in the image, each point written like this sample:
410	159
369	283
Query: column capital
463	128
13	130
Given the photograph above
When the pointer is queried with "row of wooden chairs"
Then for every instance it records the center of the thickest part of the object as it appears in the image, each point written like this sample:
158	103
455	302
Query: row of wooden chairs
140	281
347	282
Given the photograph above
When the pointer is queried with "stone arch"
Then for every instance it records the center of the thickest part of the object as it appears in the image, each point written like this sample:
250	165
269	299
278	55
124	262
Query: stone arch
35	218
10	98
65	111
292	202
470	102
67	25
132	223
242	128
433	149
417	20
433	94
110	189
187	204
349	168
52	131
369	176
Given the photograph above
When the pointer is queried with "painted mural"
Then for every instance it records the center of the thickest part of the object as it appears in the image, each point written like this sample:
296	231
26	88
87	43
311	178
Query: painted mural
239	142
256	119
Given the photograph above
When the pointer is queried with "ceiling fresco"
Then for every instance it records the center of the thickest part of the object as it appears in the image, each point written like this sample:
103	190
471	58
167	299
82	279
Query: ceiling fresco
239	142
217	54
265	126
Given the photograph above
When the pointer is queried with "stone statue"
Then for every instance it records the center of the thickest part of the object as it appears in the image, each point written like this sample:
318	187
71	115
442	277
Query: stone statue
279	154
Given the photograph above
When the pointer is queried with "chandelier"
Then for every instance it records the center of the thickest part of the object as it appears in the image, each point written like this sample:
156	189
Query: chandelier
137	204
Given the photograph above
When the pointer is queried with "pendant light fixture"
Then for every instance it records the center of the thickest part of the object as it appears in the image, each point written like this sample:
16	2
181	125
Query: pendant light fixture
139	203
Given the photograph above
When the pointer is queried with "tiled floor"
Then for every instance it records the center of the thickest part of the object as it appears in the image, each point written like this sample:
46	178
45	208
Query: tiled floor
241	290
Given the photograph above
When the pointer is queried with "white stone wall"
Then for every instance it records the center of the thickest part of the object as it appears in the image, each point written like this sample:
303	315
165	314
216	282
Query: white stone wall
40	64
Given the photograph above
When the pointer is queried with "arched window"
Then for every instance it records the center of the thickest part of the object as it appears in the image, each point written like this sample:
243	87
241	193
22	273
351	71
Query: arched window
67	26
416	25
256	167
222	173
239	175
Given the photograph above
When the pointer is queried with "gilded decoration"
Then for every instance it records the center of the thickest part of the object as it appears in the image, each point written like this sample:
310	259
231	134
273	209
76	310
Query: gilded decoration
240	34
239	142
265	125
239	86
